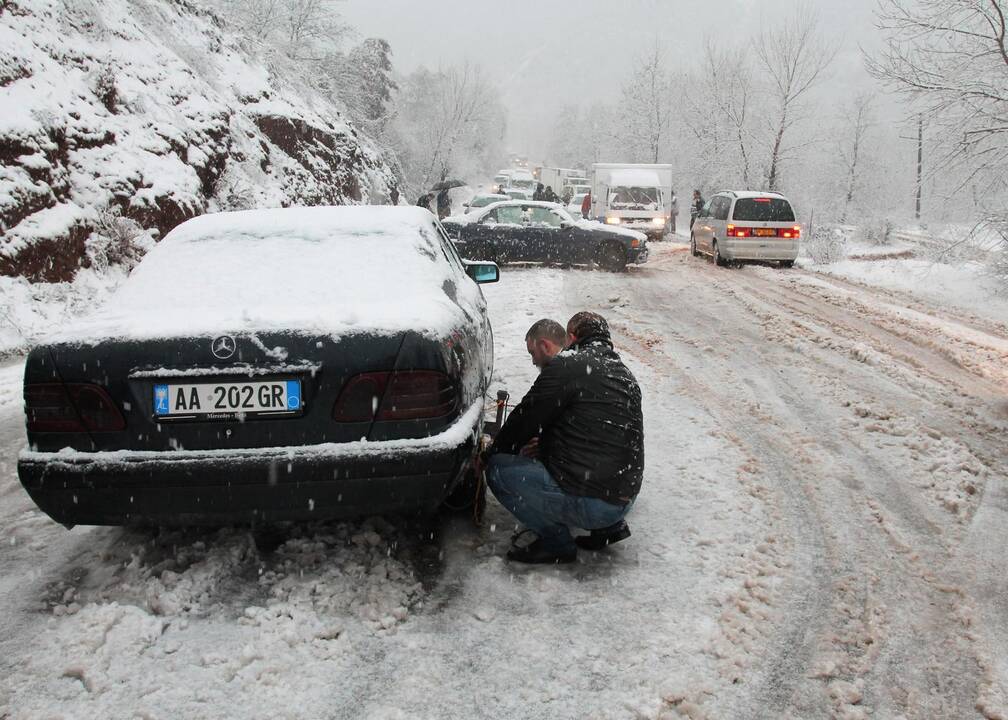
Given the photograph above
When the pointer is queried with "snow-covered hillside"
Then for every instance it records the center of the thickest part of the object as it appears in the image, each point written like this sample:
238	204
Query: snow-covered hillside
153	107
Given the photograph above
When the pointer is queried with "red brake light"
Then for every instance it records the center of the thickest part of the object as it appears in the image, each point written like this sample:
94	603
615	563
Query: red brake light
761	199
418	394
739	232
794	232
400	395
71	408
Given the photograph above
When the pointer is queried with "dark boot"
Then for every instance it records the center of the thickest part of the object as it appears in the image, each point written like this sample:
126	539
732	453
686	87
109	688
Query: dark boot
603	537
536	553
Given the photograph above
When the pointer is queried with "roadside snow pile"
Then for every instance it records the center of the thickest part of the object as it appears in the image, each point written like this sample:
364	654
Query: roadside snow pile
967	286
200	623
29	311
155	109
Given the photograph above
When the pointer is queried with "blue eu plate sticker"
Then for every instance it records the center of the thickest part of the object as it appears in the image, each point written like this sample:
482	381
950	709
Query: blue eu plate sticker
161	400
293	395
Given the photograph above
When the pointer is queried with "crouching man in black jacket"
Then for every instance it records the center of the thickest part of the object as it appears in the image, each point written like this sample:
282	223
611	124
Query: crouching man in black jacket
585	409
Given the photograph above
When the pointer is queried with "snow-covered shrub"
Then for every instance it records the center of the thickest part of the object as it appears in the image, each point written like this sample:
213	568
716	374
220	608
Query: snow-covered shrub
997	237
876	232
116	241
233	192
104	84
826	244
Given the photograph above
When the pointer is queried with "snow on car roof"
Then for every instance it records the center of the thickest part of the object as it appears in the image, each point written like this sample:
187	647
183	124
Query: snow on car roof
633	177
755	193
324	270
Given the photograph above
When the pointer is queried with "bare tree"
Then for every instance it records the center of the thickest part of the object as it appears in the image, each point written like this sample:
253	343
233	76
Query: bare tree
859	120
795	55
447	122
951	58
302	30
647	106
731	85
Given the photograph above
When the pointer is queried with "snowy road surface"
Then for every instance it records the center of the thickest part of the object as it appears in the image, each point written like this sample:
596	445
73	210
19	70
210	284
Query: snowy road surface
821	534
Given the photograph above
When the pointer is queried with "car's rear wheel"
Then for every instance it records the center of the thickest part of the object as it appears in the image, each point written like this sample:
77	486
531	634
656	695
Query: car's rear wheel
468	497
612	257
717	257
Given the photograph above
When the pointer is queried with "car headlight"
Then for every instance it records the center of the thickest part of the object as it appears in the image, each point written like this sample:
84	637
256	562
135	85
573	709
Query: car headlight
658	221
612	220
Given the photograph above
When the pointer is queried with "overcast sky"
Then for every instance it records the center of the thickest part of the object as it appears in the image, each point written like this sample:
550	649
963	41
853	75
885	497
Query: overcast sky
545	53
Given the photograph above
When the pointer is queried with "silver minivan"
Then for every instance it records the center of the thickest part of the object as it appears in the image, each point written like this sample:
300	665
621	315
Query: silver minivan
737	225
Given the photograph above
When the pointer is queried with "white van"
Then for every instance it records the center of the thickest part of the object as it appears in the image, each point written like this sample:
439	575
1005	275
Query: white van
737	225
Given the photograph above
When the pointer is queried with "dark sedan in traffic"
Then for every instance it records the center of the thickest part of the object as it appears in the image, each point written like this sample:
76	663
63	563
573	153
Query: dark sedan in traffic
304	363
528	231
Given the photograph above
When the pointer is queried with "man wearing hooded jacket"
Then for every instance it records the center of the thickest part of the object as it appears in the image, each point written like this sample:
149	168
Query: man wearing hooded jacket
585	408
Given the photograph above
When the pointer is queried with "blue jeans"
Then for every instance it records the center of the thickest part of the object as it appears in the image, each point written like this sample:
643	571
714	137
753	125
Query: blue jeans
525	487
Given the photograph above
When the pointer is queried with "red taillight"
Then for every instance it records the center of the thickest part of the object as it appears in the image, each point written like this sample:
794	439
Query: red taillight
739	231
761	199
71	408
794	232
401	395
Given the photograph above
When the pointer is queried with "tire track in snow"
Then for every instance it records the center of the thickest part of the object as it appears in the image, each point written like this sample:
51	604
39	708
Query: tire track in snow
864	583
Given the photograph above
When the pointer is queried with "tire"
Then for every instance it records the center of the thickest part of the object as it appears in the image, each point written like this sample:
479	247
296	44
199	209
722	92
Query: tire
717	258
787	263
692	246
612	257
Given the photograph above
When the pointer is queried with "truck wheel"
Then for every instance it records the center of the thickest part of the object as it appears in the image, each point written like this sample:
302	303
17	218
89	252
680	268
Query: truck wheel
612	257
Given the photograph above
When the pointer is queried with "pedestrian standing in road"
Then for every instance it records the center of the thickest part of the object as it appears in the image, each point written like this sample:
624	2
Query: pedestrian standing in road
585	409
538	194
549	195
443	205
424	201
674	214
695	207
586	204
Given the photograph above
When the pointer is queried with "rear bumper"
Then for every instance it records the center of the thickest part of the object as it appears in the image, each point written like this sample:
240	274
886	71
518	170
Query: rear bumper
305	483
746	249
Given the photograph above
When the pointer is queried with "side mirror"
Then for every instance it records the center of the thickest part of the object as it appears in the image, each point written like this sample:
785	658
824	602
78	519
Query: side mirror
482	272
564	225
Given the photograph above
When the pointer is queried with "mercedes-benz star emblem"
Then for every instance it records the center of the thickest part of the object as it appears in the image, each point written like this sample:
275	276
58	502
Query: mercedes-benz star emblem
223	347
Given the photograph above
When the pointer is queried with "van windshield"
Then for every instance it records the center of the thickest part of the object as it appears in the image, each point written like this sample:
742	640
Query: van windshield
763	210
638	197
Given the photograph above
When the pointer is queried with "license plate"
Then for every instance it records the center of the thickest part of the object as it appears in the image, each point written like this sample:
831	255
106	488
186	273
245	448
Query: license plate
227	399
765	232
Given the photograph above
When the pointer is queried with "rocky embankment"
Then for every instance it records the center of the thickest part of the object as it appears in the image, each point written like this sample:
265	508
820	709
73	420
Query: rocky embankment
152	110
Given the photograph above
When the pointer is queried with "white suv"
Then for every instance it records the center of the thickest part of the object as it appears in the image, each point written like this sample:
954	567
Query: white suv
738	225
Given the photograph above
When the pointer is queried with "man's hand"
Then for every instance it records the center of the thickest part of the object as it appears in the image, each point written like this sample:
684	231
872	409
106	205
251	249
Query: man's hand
531	449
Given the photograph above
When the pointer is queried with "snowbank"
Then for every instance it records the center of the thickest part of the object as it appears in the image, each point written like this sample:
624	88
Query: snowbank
967	286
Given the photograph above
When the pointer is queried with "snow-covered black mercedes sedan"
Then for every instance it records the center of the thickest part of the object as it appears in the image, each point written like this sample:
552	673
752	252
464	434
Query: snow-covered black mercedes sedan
529	231
267	365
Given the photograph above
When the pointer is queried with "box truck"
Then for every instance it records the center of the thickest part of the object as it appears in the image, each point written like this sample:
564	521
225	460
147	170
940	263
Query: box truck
633	195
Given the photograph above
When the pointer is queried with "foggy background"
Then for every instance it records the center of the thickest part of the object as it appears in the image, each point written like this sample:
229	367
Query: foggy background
544	55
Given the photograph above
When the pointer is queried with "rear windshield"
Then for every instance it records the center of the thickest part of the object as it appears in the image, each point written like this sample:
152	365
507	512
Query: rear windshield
763	210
